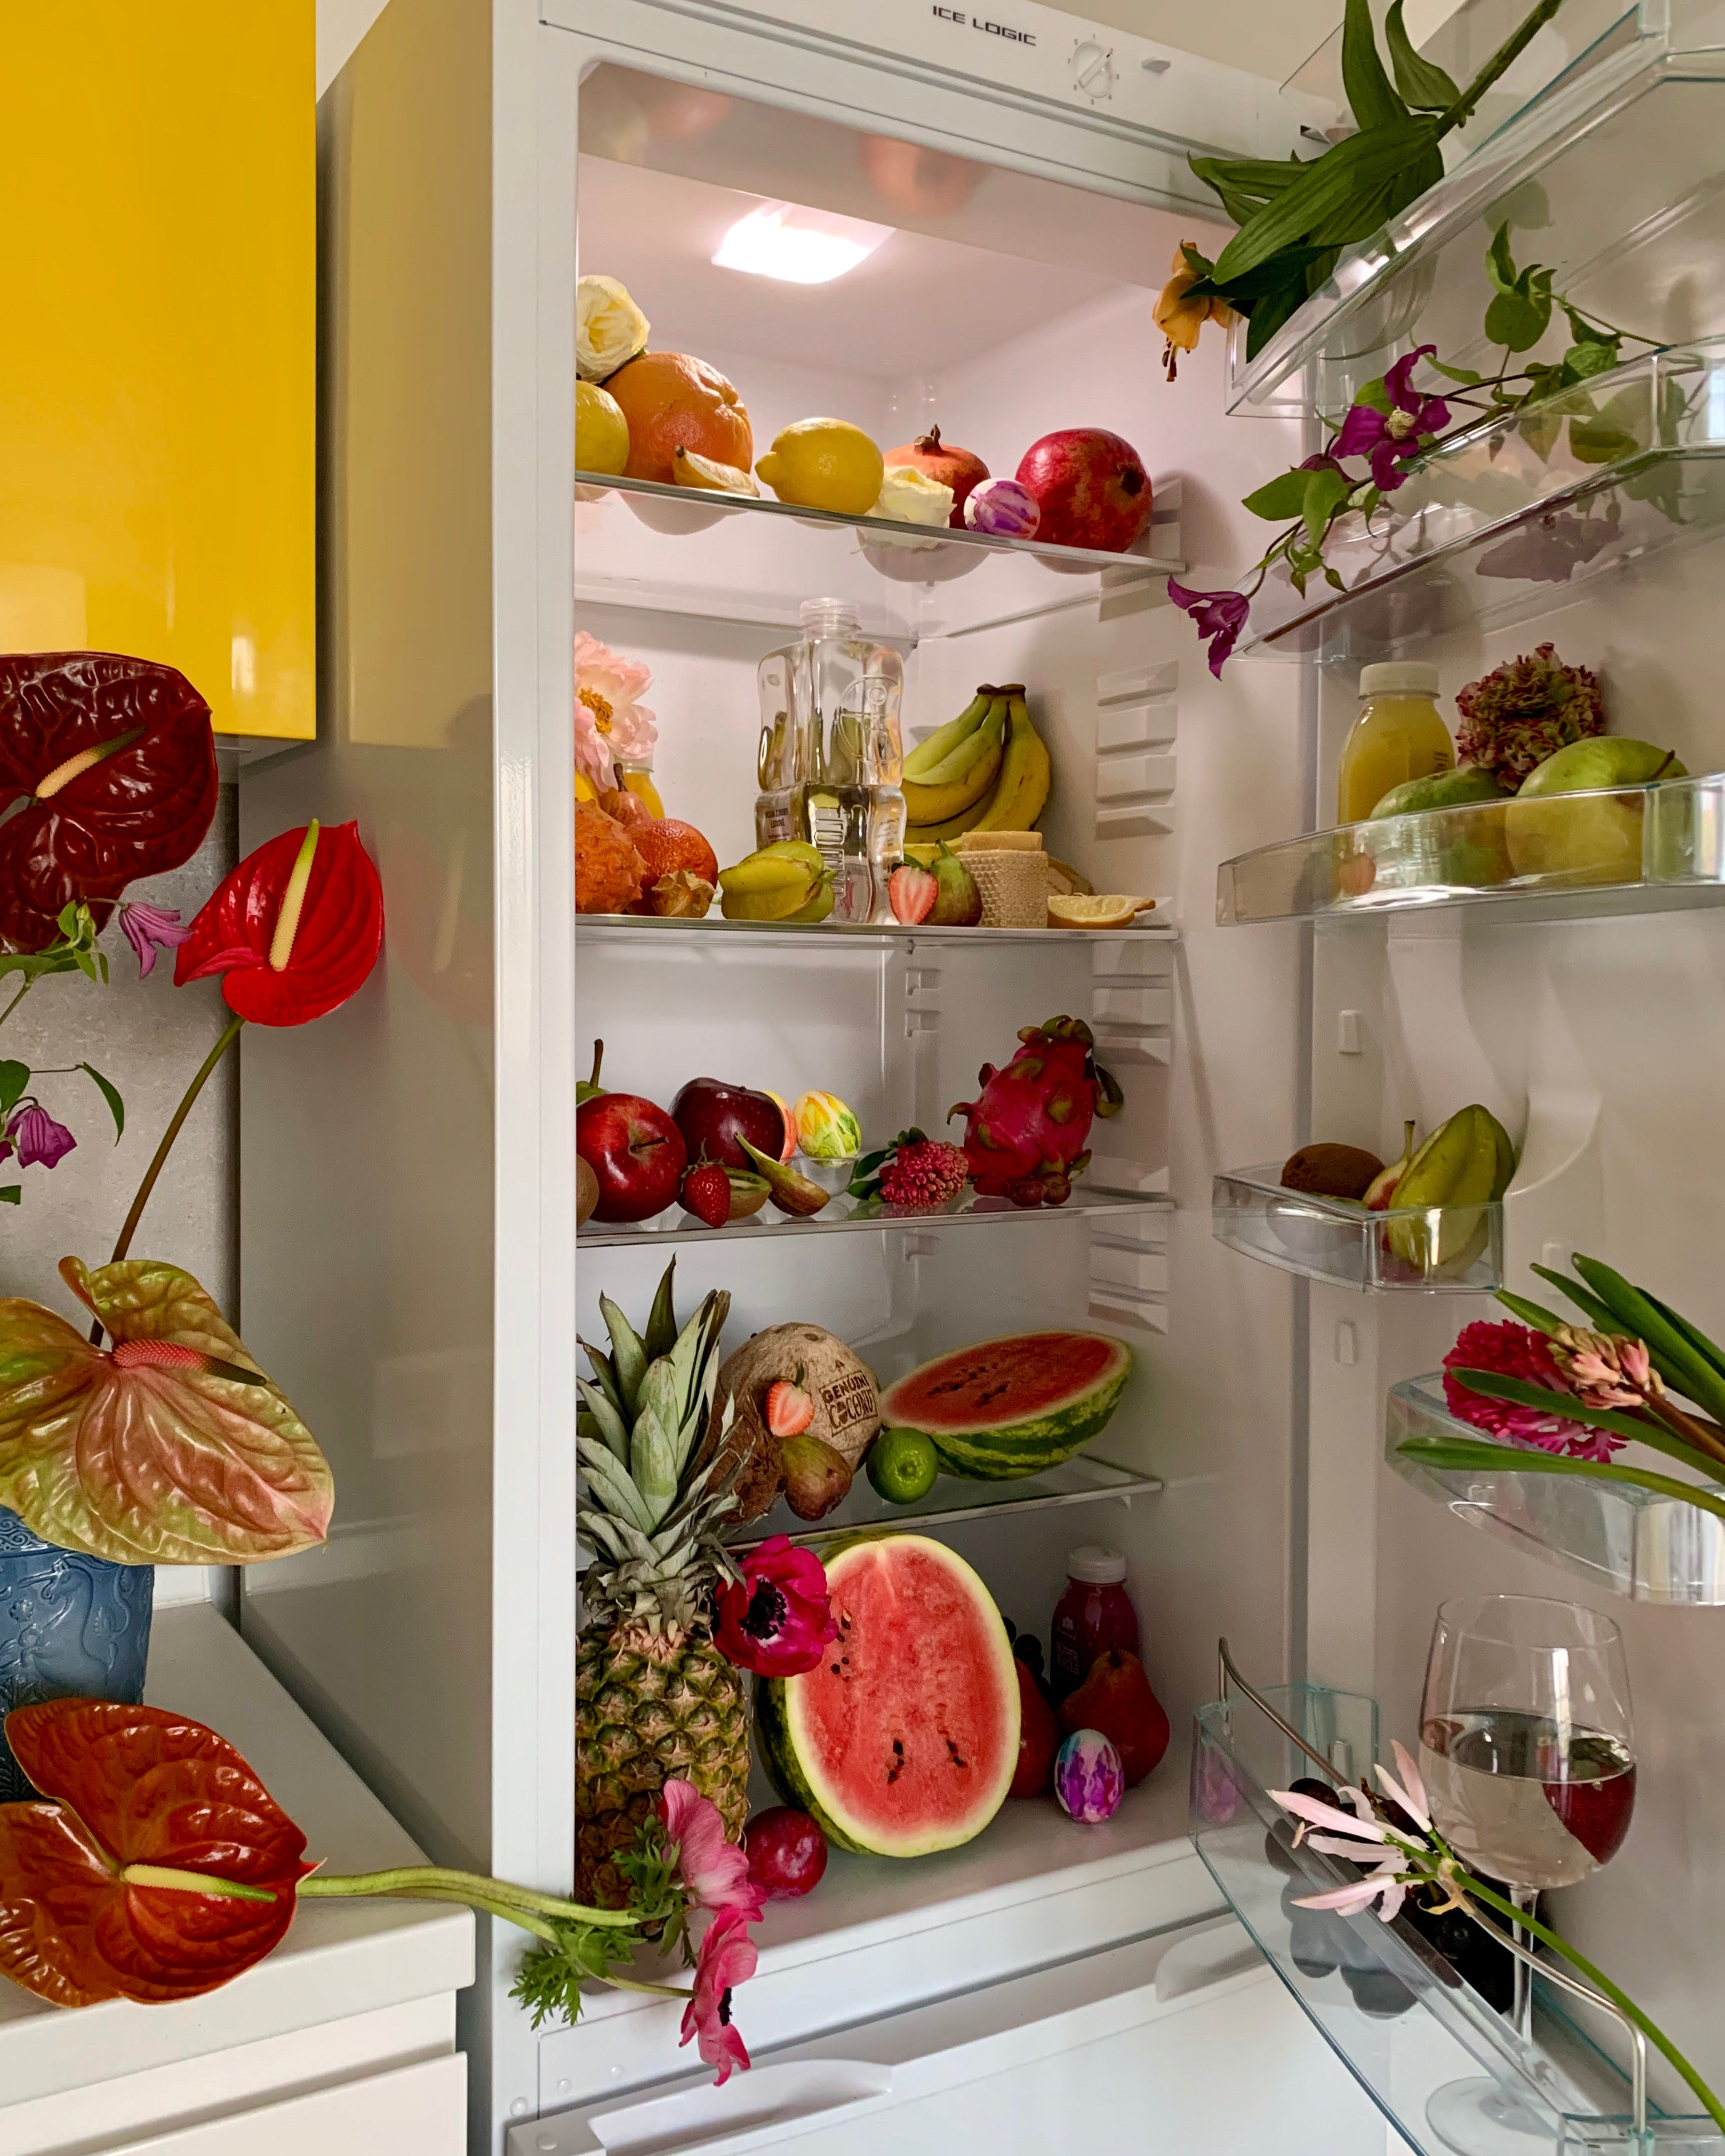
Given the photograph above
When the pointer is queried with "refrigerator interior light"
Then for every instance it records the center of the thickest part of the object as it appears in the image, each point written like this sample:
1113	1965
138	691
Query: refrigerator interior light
798	246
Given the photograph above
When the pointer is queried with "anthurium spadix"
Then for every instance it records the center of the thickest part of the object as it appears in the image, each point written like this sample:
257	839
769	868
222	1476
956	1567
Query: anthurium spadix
168	1445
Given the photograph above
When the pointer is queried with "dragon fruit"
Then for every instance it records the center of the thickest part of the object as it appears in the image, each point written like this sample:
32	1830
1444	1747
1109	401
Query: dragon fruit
1032	1118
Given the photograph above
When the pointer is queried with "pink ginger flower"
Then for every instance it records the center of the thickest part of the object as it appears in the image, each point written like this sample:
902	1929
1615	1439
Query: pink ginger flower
150	929
612	725
727	1958
1508	1350
715	1872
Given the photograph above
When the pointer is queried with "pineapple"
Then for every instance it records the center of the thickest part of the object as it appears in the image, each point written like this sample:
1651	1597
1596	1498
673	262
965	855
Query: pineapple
654	1697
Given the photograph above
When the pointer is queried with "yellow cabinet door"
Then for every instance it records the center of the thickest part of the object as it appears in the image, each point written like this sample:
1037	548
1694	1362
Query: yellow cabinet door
158	365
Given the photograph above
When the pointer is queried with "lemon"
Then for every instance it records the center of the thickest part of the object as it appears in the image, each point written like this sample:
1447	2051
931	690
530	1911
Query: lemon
601	431
689	470
1082	910
824	463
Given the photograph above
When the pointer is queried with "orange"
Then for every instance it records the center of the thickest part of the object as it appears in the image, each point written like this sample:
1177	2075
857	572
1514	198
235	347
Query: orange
670	399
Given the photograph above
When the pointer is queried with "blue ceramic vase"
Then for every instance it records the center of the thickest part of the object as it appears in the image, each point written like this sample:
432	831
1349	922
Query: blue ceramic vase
68	1625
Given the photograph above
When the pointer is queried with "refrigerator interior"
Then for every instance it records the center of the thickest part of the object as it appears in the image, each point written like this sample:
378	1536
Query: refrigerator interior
1001	308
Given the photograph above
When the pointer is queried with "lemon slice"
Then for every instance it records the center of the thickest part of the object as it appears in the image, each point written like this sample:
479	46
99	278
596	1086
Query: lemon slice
1080	909
689	470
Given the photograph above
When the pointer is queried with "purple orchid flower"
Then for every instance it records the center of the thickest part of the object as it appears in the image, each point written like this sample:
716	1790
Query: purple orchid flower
1220	616
37	1136
150	929
1388	440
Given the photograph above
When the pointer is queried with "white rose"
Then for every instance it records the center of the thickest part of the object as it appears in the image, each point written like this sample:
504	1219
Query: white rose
609	328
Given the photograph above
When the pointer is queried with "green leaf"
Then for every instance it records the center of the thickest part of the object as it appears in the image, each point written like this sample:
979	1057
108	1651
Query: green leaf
1326	491
1460	1456
14	1079
110	1093
1348	174
608	1480
1531	1313
1540	431
1199	264
1375	395
1492	1387
614	1430
1679	1365
1422	83
1500	264
1708	1350
1370	95
1280	499
1517	320
662	1322
1586	332
1467	376
11	1193
629	1353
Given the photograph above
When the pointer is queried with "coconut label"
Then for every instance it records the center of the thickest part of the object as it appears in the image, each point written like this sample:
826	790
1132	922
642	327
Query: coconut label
849	1399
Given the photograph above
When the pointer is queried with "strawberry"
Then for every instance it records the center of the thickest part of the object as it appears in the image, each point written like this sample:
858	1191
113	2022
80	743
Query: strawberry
789	1410
911	892
706	1194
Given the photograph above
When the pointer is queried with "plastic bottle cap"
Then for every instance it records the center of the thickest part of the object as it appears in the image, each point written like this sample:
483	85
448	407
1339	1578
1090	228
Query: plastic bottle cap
1095	1565
1410	677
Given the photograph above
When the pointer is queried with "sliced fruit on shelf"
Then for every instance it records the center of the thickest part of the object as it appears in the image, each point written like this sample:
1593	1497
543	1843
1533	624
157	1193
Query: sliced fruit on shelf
904	1740
790	1192
672	400
1116	1697
1013	1406
903	1466
1380	1192
1032	1118
847	1410
1325	1169
787	1409
789	1146
1064	880
911	892
689	468
824	463
958	469
748	1192
1109	910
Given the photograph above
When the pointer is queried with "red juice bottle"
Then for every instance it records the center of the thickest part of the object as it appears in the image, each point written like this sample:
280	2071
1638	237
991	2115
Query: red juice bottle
1095	1613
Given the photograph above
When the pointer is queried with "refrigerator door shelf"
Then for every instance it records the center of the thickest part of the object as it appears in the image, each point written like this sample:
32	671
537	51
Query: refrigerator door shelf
1394	2011
1628	1542
1124	2048
1451	1249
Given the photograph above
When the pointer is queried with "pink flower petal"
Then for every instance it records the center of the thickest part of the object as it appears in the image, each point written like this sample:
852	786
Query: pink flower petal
1328	1816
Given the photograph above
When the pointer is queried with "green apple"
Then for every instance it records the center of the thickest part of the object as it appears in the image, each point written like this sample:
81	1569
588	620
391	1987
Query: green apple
1444	789
1596	840
1465	851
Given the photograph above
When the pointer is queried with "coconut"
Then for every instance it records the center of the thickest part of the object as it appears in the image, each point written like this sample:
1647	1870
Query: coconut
847	1407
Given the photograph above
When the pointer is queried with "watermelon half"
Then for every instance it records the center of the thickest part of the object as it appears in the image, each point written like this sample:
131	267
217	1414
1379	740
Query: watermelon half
1013	1406
904	1738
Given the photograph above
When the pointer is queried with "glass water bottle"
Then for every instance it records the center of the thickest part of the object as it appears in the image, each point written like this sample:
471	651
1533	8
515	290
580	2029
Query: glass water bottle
781	757
853	809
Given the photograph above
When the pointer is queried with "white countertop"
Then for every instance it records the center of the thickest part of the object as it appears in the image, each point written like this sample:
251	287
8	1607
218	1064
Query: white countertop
341	1957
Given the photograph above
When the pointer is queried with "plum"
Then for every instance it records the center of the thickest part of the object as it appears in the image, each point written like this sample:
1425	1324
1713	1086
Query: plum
786	1853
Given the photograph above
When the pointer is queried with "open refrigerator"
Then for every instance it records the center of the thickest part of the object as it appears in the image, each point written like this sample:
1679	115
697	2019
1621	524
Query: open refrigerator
1049	1982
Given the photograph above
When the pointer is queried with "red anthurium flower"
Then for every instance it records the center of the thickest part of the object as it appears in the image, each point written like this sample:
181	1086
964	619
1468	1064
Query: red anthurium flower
102	1892
114	764
297	928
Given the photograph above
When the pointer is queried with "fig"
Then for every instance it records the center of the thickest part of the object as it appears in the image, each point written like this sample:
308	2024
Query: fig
791	1193
587	1191
816	1477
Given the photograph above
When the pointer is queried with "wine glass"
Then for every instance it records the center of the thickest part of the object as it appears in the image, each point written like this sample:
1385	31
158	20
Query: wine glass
1526	1749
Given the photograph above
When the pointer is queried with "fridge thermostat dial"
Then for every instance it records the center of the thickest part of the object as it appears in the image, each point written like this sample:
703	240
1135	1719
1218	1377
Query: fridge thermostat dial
1093	70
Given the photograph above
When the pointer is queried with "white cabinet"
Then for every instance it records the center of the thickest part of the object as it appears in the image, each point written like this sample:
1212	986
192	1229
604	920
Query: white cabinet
423	2108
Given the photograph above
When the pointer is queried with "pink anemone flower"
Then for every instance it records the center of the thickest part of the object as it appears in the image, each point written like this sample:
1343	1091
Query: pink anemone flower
715	1872
727	1958
777	1619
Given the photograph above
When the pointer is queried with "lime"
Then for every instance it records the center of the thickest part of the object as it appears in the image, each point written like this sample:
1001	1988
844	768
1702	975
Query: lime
902	1466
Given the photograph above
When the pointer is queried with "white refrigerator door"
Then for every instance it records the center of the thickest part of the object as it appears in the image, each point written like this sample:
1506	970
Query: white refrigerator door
1173	2045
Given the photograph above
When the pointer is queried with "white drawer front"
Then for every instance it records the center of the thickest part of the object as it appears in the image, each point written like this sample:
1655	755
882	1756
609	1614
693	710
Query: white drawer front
418	2111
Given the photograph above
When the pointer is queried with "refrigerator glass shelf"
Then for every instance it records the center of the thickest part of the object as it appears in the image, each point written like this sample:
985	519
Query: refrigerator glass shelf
1456	1250
714	932
1083	1480
1610	178
1571	856
1429	2030
1628	1542
1517	515
842	1215
731	557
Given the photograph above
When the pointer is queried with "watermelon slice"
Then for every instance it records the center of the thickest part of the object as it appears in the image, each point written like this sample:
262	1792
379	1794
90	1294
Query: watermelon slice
1013	1406
905	1739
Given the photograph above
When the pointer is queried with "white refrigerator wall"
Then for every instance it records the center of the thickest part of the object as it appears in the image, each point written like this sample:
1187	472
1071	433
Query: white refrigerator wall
1623	1019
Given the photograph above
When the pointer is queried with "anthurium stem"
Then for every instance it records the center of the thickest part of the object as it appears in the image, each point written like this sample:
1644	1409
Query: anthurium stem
411	1880
1601	1982
230	1034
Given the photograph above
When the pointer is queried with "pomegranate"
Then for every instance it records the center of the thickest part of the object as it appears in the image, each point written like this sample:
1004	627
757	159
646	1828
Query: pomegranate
786	1853
960	469
1090	489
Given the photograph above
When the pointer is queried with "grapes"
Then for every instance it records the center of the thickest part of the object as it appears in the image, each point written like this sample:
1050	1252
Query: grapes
1028	1650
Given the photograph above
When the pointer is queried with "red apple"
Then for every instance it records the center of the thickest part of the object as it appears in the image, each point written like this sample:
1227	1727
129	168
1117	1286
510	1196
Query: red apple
713	1116
635	1152
960	469
1090	487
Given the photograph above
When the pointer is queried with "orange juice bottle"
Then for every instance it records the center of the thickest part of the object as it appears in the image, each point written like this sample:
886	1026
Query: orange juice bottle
1399	735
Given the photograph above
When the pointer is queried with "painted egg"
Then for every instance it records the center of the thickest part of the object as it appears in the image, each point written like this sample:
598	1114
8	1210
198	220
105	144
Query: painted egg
1003	509
826	1129
1087	1778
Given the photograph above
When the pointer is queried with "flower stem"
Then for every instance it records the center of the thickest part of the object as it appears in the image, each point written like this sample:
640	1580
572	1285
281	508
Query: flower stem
1506	54
410	1880
230	1034
29	983
1596	1977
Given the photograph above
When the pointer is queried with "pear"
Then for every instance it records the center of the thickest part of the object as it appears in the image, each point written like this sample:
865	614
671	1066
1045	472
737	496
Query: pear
1117	1699
1588	841
957	903
816	1476
589	1088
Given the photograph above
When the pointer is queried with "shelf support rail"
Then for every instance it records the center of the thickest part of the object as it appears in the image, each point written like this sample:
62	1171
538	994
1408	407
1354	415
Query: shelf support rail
1227	1673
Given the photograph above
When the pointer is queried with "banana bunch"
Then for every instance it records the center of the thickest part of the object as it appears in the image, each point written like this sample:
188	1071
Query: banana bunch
787	881
987	770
